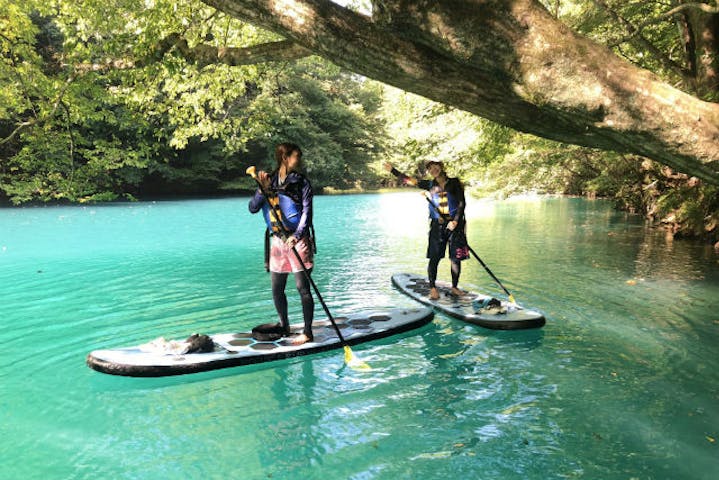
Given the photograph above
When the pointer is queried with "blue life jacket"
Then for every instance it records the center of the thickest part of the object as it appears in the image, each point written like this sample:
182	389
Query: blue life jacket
445	203
290	210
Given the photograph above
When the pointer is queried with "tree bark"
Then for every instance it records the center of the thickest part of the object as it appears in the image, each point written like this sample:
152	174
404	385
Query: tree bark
508	61
268	52
704	44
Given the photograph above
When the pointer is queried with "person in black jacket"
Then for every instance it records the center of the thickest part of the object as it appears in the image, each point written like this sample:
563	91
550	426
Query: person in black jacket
290	193
447	223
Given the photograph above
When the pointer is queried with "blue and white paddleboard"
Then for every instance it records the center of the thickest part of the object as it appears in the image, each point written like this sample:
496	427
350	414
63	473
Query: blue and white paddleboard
160	358
468	307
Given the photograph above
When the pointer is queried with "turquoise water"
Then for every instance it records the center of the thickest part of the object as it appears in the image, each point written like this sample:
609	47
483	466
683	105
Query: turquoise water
622	383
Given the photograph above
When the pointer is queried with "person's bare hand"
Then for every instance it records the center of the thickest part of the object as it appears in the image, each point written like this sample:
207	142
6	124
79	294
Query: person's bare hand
264	179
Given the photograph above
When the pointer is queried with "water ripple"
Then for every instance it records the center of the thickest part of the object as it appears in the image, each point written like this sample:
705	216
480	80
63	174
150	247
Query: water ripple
621	382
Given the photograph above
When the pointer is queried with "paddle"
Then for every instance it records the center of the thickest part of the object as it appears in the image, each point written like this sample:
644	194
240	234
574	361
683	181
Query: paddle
351	361
446	217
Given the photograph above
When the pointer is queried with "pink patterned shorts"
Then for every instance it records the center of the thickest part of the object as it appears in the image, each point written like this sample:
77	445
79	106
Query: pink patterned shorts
283	259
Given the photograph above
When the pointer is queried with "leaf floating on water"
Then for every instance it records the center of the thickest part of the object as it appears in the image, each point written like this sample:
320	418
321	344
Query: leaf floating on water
432	456
450	355
516	408
472	341
482	358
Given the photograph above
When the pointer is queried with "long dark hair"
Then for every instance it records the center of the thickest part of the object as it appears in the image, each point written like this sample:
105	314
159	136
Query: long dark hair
285	149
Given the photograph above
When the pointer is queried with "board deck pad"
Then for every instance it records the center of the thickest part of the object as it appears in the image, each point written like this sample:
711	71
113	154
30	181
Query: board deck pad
237	349
515	316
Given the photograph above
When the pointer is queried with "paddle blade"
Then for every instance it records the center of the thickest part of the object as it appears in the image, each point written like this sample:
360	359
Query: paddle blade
251	171
511	299
353	362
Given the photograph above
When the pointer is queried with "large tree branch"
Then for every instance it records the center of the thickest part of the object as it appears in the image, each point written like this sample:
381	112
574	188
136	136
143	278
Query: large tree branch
508	61
284	50
203	54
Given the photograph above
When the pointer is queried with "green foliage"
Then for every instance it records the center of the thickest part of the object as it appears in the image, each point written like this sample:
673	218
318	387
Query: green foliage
685	206
422	130
680	203
98	115
644	34
64	137
332	115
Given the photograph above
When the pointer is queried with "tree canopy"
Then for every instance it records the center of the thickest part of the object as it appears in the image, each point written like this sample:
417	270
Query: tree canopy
509	61
102	100
97	105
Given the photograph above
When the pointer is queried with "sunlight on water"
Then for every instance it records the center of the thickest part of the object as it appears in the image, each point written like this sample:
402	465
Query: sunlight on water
622	382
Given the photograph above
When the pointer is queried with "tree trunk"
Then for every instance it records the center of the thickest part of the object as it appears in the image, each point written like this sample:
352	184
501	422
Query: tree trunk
508	61
702	43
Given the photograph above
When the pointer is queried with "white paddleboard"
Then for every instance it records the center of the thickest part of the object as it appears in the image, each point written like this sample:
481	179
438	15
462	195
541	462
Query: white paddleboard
161	358
508	316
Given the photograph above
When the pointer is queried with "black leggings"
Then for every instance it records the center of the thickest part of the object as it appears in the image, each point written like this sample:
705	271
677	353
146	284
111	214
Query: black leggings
432	271
279	280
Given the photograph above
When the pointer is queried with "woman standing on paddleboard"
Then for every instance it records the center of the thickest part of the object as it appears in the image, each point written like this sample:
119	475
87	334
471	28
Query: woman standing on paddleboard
447	222
290	193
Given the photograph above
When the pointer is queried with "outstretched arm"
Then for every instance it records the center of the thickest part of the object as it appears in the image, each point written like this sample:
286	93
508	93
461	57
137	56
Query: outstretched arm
404	179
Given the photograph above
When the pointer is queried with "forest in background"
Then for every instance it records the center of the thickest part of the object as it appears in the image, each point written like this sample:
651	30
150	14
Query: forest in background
96	105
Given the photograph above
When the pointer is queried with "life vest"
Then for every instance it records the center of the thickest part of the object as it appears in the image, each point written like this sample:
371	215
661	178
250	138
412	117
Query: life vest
290	211
446	205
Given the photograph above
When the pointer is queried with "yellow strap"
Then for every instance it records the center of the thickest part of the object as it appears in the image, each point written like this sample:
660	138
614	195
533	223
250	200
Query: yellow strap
274	201
443	206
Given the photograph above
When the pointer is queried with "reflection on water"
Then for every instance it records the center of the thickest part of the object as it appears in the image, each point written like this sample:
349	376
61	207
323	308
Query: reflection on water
621	383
